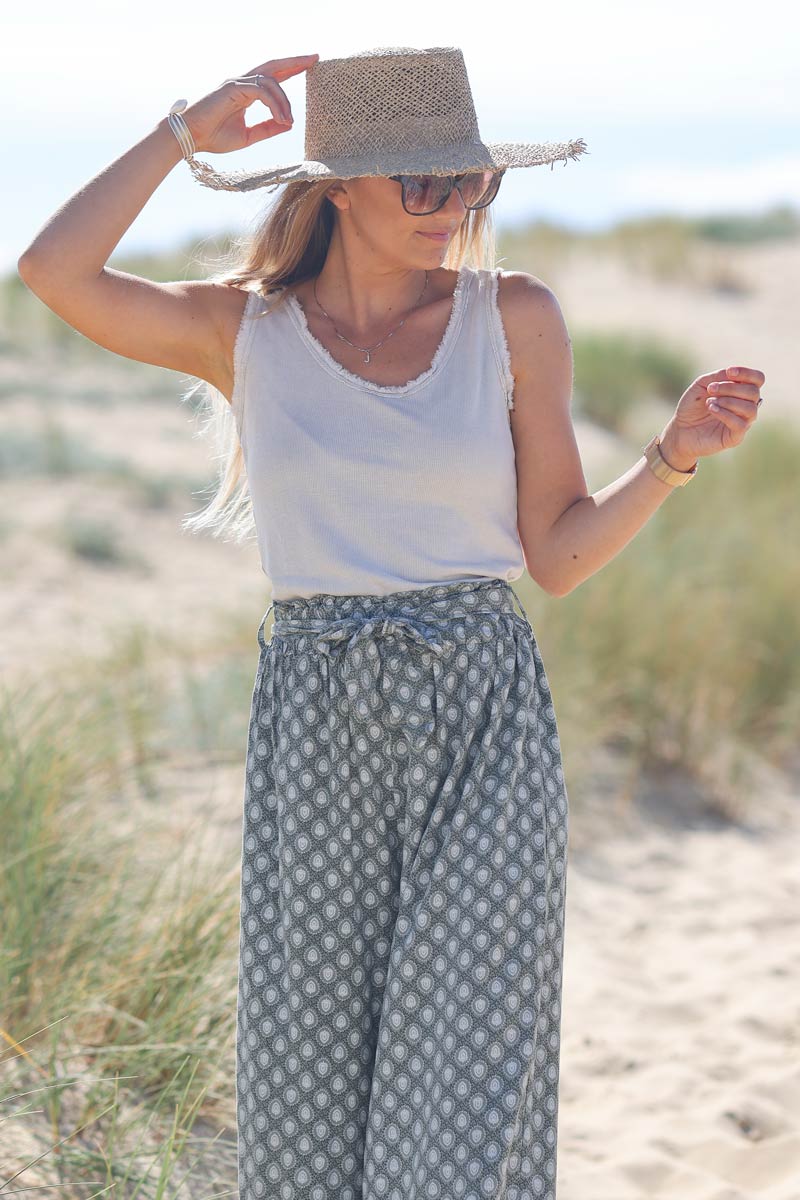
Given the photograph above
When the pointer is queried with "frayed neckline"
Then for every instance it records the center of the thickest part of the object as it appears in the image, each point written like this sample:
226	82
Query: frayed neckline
465	274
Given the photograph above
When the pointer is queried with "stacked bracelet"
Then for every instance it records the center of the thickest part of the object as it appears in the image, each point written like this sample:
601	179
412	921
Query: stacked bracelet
234	181
181	130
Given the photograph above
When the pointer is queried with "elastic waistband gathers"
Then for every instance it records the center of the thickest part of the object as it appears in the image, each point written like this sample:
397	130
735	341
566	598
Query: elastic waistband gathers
325	614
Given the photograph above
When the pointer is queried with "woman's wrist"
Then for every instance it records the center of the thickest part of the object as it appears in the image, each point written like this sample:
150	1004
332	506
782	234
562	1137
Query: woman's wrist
671	453
171	144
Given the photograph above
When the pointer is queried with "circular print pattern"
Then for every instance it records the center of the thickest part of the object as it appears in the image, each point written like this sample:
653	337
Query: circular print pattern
404	858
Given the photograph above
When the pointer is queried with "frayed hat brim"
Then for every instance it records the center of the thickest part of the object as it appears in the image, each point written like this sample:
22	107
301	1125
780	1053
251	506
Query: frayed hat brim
450	160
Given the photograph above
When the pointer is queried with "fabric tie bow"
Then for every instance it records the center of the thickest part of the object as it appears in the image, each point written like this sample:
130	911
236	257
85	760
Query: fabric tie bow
361	671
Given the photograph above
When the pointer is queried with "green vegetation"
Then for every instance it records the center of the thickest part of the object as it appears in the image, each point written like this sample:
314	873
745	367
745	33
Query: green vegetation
96	539
118	965
615	372
668	247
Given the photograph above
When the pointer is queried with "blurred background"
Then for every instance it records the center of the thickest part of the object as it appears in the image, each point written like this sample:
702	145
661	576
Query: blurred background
128	646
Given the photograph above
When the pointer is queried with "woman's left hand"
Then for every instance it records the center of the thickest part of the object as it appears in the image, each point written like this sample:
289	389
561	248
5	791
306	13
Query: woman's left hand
697	430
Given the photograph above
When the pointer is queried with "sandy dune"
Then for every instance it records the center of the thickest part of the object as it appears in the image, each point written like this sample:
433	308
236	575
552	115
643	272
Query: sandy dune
680	1073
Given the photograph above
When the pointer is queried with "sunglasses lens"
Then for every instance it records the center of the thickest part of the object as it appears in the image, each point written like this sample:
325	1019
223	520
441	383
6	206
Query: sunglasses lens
426	193
480	187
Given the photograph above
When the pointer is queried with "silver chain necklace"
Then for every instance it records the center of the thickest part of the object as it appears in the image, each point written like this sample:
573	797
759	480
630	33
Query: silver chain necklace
363	349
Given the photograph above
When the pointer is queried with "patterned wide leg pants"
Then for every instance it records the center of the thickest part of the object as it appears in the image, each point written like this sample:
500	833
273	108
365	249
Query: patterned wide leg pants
404	861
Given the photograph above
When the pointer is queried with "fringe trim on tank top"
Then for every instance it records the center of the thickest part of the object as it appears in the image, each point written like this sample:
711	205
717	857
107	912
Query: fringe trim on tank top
499	339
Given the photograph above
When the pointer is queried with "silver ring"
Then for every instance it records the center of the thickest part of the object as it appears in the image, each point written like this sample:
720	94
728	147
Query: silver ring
255	80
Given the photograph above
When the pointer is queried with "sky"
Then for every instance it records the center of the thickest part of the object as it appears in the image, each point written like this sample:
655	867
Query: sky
687	109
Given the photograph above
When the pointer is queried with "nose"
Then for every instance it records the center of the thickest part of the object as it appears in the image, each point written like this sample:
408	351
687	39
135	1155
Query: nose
455	205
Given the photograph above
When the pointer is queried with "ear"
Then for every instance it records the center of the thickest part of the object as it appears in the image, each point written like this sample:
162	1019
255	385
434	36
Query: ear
337	194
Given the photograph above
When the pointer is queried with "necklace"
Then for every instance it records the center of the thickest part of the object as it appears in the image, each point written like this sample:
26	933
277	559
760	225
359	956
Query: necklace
363	349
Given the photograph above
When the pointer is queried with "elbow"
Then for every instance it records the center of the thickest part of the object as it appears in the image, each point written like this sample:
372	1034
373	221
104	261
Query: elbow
553	587
26	268
33	266
41	279
563	585
24	263
559	591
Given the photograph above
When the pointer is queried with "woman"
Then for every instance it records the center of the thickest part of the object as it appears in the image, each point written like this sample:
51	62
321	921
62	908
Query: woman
406	430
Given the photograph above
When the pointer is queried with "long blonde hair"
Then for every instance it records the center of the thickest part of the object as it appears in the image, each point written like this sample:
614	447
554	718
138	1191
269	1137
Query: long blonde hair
289	244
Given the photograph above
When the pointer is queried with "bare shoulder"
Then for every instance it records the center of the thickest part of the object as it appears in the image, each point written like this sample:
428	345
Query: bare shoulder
533	322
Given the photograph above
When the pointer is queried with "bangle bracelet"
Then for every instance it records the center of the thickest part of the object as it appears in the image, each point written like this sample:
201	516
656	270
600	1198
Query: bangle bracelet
661	468
181	130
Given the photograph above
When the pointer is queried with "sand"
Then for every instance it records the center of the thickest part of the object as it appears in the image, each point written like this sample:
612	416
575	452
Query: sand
680	1071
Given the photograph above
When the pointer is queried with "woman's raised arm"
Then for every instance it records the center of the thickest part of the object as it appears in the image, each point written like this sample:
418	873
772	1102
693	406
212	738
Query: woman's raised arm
176	325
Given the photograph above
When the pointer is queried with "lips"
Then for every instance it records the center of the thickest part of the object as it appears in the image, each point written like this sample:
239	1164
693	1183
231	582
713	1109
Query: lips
437	237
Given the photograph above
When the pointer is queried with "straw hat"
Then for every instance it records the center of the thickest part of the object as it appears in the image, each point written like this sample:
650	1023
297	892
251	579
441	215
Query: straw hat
388	111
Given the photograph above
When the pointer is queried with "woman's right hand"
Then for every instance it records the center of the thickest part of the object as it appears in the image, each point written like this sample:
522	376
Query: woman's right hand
217	121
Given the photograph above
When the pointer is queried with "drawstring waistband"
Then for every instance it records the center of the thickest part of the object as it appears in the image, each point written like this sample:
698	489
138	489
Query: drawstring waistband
361	666
358	625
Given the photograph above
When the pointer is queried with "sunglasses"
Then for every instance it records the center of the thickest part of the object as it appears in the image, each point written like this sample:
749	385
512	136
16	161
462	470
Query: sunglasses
425	194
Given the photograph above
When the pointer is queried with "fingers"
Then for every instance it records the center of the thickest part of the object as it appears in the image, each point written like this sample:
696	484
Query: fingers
738	425
749	375
284	68
264	78
263	87
740	400
744	409
744	391
746	375
733	396
735	391
276	99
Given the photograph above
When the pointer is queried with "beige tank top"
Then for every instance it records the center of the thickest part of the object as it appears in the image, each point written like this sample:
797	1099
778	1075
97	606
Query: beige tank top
358	487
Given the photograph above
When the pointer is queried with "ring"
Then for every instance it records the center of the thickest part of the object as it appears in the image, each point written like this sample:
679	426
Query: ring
256	80
760	398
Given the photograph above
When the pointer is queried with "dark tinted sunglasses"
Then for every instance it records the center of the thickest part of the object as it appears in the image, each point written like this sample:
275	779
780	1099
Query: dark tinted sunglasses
425	194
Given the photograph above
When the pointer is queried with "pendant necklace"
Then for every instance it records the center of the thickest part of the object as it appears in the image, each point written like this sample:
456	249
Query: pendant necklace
363	349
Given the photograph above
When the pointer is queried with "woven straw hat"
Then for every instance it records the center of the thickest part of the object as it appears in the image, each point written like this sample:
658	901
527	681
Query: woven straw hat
388	111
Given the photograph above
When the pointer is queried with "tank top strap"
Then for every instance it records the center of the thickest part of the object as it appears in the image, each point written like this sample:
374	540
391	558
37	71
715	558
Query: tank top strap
497	333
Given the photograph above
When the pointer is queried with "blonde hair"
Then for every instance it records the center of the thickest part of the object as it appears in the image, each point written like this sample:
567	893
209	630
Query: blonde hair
288	245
